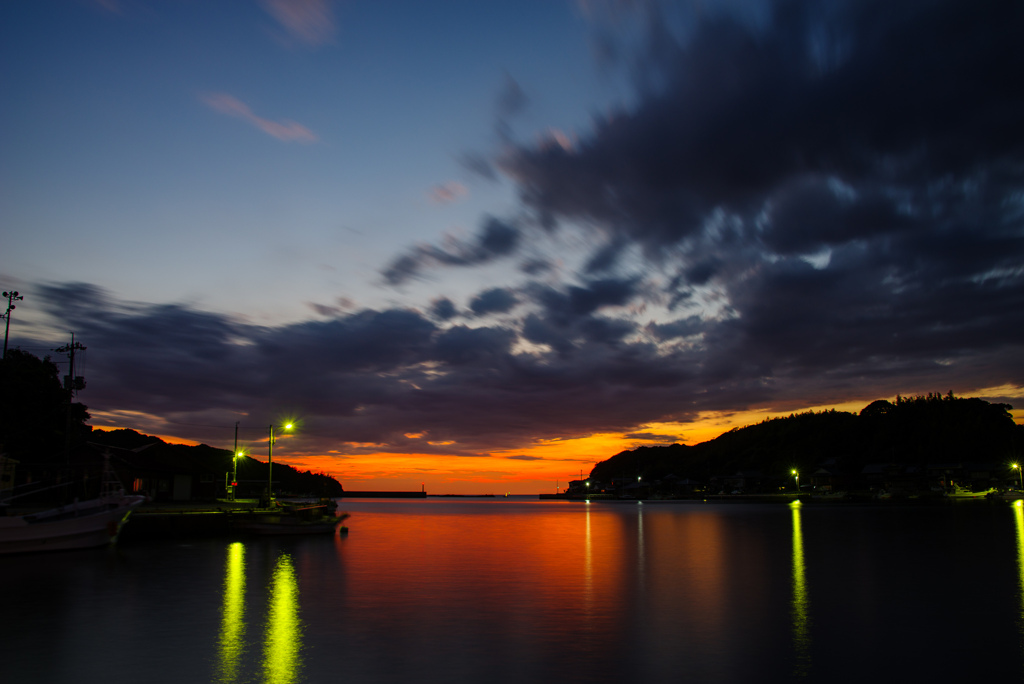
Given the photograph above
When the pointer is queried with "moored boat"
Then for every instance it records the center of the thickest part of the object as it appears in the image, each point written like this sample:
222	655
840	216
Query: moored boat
955	491
79	525
289	520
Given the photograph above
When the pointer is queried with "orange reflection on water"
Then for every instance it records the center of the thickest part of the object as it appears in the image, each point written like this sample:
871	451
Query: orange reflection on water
683	585
569	563
689	560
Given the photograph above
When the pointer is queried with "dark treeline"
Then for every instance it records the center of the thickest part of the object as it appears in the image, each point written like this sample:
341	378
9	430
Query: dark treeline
251	472
34	410
47	433
913	431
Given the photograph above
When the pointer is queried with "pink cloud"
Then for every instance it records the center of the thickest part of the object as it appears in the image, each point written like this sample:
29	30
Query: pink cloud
311	21
289	131
447	192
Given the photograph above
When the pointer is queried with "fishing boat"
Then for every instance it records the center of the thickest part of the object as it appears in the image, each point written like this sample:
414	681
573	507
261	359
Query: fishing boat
289	520
78	525
955	491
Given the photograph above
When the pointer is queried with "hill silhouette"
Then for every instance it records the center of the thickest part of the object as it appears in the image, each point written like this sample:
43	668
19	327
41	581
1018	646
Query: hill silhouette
913	434
203	458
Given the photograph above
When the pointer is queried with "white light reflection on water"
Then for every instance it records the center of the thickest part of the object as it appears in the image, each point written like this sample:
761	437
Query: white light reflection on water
232	626
801	621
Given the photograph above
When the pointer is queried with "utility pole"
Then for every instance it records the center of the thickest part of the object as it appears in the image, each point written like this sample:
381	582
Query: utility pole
12	297
72	383
234	462
270	465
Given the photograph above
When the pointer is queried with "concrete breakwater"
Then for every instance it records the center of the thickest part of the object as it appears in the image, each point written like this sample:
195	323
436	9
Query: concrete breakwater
383	495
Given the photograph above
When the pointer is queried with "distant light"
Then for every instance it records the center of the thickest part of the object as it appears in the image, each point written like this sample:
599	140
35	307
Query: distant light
287	426
793	471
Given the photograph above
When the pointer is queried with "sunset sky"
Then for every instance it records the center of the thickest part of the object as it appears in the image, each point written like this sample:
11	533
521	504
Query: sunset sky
481	246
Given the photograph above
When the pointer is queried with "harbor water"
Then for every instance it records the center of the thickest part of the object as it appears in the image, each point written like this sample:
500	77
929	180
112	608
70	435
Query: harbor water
522	590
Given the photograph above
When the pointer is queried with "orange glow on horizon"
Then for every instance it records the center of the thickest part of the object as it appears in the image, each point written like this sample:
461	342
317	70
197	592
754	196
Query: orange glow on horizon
538	467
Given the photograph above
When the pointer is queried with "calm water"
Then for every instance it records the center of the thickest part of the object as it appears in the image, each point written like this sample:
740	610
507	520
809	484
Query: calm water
505	590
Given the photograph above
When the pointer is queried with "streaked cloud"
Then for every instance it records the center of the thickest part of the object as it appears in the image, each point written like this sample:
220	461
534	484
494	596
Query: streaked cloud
494	240
288	131
310	21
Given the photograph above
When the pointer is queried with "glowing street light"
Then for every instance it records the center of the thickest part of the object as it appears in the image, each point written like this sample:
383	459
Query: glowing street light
270	460
234	472
1016	466
797	476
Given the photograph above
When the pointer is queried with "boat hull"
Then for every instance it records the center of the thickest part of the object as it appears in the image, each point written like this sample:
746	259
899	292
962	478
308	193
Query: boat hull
76	526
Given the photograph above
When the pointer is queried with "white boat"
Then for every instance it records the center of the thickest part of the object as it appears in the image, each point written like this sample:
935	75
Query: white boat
79	525
955	491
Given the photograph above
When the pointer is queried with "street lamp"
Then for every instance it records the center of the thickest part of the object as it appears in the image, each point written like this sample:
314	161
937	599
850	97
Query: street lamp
1016	466
797	476
234	474
270	461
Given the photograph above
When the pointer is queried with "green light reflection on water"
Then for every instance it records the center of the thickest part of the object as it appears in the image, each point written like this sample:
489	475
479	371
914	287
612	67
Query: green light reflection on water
232	627
1018	516
283	634
801	604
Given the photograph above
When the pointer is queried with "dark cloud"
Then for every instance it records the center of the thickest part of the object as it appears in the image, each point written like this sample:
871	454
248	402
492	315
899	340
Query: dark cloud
830	201
534	267
462	345
652	437
443	309
494	240
886	100
605	258
493	300
685	327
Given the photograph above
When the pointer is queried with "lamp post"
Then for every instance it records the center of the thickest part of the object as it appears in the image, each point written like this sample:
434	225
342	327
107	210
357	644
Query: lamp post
1016	466
797	476
270	461
234	474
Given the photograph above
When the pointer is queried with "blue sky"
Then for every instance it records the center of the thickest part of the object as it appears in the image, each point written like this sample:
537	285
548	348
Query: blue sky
480	244
119	165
